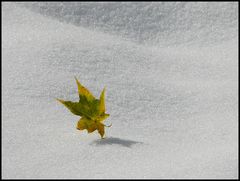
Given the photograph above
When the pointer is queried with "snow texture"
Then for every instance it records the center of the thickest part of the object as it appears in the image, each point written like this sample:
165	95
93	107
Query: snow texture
171	76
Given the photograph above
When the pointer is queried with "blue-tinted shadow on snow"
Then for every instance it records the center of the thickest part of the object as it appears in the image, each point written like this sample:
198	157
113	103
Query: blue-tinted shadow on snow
115	141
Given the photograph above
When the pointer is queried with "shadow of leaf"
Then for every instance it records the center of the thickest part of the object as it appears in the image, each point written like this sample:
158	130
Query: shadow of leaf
115	141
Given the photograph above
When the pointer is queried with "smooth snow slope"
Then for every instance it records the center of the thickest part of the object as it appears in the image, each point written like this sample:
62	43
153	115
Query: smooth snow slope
173	106
158	23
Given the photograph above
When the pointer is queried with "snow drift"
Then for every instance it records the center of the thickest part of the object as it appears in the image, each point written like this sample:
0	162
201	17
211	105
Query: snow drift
170	71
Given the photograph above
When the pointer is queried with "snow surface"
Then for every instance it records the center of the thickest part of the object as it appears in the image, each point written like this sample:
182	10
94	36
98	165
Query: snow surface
171	77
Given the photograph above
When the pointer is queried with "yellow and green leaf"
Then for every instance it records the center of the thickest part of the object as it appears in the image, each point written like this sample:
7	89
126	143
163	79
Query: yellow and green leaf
91	110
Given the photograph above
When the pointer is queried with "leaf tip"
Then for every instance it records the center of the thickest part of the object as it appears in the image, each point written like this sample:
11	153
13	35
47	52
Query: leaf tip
60	100
75	78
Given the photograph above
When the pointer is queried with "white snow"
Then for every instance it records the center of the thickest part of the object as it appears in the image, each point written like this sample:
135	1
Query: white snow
172	94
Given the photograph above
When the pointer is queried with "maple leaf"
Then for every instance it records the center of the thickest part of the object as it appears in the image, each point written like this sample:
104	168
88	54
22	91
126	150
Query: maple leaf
91	110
